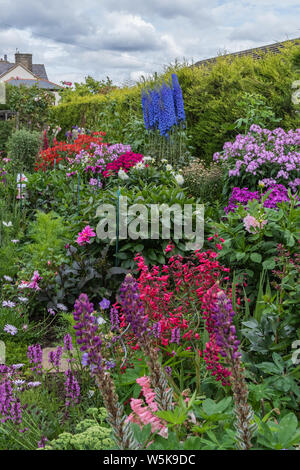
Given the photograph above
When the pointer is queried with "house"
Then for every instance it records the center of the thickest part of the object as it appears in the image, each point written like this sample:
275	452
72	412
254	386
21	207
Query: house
24	72
256	52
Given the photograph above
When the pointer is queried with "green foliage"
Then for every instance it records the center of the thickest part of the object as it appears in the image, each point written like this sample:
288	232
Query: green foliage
23	147
254	110
46	239
6	129
90	87
152	249
252	252
31	104
90	434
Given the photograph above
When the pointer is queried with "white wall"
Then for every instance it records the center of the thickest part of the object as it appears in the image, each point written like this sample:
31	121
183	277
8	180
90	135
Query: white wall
18	71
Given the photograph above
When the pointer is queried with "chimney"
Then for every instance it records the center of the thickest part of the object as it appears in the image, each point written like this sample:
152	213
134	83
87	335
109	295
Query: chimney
5	57
24	59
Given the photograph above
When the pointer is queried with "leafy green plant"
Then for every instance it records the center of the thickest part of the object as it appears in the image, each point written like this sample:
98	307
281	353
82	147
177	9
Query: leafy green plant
23	147
256	111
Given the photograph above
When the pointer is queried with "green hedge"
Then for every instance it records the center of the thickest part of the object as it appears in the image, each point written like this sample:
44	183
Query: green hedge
210	94
6	129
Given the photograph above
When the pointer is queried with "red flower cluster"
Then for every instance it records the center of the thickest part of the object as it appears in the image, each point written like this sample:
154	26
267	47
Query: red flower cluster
61	150
124	162
172	297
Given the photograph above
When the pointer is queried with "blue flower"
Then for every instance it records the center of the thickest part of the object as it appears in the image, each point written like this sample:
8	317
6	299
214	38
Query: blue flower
178	99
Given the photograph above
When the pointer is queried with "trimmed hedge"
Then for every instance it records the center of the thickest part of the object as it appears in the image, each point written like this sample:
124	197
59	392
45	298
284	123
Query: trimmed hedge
210	93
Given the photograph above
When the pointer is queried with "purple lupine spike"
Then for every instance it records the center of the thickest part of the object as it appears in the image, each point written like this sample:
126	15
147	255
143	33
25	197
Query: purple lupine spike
35	356
86	332
72	389
68	346
175	335
132	306
114	319
156	329
55	357
222	318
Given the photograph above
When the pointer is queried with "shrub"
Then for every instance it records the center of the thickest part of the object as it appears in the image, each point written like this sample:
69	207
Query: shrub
6	129
23	147
204	182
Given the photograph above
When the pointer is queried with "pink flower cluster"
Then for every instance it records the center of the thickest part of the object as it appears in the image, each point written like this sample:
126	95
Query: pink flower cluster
85	236
252	224
143	413
33	284
124	162
271	156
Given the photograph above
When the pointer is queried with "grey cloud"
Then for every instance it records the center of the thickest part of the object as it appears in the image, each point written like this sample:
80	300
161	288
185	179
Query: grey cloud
123	38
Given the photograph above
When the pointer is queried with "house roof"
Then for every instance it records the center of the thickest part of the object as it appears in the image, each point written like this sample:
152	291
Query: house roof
44	84
256	52
37	69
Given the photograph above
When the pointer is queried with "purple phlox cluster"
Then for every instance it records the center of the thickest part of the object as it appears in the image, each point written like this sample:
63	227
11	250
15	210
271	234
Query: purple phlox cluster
175	335
55	357
221	318
95	161
72	389
95	182
35	357
272	156
132	306
278	194
68	343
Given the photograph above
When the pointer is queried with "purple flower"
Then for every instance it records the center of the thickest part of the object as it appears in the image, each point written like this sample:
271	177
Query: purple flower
8	304
68	343
114	319
35	357
175	335
86	332
104	304
72	389
132	306
12	330
55	357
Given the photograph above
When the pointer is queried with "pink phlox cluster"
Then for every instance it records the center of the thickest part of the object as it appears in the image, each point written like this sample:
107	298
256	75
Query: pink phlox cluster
252	224
143	415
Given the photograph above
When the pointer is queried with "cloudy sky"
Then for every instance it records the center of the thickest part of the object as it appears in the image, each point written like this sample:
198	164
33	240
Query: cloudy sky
124	39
